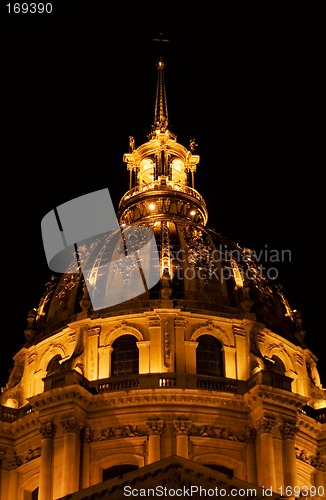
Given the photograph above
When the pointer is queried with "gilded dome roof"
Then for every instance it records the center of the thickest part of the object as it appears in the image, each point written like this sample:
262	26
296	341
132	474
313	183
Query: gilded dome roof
184	265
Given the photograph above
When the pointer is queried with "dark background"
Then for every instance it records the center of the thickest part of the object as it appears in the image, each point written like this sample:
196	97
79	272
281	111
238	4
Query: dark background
247	84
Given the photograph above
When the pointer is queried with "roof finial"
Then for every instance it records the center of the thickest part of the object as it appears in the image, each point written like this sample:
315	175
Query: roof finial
161	39
161	118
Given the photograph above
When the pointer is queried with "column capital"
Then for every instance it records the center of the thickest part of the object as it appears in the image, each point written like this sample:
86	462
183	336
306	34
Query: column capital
249	435
182	427
155	427
318	463
70	424
14	461
288	430
96	330
265	425
48	430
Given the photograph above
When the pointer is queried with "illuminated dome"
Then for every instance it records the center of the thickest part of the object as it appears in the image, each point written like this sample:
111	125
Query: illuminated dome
199	268
162	344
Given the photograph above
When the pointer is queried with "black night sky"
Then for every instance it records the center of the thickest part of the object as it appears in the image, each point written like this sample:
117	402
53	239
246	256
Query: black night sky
249	89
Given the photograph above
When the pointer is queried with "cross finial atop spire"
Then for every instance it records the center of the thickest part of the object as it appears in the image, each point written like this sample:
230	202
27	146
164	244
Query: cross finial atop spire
161	119
161	39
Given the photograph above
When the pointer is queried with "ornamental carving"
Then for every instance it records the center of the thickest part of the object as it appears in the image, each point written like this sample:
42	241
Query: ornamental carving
318	463
167	343
14	461
217	432
288	431
266	425
120	431
155	426
315	461
154	321
106	433
87	435
96	330
182	427
68	282
199	252
48	430
302	455
32	453
249	435
211	328
70	424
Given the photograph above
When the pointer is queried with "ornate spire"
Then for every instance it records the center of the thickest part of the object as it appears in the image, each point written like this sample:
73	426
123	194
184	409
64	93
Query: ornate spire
161	115
161	173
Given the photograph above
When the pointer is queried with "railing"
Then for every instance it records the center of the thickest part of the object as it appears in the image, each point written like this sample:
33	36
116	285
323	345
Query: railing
271	379
145	381
157	186
159	381
167	380
12	414
321	416
318	414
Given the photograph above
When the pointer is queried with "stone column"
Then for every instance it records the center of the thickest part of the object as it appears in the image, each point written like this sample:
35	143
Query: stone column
87	436
288	432
267	474
180	351
230	362
190	348
92	357
104	361
143	356
155	332
13	482
249	437
320	479
2	456
242	353
11	488
182	428
155	429
47	432
71	456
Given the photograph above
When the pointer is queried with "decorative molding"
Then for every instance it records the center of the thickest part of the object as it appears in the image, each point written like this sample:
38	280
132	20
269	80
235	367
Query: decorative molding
120	431
212	329
96	330
123	328
154	321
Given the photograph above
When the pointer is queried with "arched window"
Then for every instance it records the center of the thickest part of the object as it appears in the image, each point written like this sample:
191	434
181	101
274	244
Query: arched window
220	468
34	494
278	365
54	365
209	356
118	470
125	356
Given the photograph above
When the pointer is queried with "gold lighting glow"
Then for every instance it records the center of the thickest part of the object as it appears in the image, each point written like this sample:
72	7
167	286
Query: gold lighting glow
236	273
